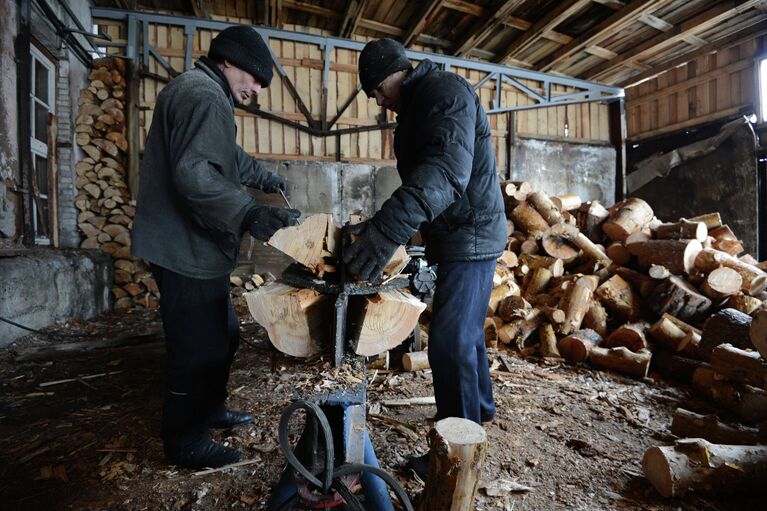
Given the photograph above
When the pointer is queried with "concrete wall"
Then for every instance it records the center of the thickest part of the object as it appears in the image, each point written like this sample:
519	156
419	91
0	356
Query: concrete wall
46	286
559	168
10	202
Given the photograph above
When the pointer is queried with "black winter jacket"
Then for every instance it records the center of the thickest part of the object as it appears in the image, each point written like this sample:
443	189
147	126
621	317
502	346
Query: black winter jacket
447	165
191	204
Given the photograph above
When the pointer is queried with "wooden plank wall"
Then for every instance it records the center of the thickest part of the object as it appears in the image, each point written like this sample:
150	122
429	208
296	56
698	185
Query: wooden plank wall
587	123
711	87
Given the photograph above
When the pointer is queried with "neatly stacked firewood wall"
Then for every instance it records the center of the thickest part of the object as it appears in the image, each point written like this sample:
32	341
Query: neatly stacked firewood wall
104	202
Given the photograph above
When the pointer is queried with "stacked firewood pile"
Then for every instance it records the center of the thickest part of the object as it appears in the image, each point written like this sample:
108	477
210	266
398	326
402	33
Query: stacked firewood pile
618	288
105	206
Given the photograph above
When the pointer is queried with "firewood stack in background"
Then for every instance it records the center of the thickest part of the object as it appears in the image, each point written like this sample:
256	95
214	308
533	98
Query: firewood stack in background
105	206
620	289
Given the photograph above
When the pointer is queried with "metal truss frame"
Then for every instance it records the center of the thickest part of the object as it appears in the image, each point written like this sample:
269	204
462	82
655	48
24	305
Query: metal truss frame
138	48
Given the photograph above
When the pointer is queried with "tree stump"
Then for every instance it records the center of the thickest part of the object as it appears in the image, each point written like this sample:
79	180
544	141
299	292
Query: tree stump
457	452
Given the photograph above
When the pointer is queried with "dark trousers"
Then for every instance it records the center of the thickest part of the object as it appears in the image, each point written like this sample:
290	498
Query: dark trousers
201	335
457	353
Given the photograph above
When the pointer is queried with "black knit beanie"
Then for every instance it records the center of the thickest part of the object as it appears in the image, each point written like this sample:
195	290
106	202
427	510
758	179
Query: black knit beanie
243	47
379	59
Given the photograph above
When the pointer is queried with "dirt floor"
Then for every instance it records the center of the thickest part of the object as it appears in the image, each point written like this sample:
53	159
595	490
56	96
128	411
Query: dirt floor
80	431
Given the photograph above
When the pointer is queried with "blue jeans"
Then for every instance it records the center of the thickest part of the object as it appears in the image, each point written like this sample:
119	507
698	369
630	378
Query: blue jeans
457	354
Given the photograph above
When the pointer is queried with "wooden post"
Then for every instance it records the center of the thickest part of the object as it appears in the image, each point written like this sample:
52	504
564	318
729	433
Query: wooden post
457	452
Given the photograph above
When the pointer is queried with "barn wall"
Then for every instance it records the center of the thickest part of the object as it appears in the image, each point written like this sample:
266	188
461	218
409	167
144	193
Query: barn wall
715	86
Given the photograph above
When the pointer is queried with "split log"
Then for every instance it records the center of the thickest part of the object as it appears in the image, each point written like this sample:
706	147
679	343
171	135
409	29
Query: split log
712	220
536	282
621	359
508	259
669	334
687	424
678	298
619	297
548	339
545	206
577	346
676	255
457	452
295	319
758	332
722	283
310	242
658	272
744	303
725	240
694	464
754	279
498	293
567	202
564	240
682	230
589	220
527	218
596	318
575	303
739	365
746	401
415	361
630	335
726	326
627	217
519	329
388	319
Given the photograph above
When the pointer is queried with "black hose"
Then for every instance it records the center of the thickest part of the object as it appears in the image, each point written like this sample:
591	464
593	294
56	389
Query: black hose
55	336
332	475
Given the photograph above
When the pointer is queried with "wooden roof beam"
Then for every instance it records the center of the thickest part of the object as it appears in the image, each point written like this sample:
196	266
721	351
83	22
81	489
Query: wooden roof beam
274	13
311	9
485	26
551	35
201	8
735	39
351	19
560	13
698	23
620	19
431	9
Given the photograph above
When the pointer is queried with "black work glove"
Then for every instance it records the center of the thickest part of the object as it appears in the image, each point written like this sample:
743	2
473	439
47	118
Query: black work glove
273	183
369	255
264	221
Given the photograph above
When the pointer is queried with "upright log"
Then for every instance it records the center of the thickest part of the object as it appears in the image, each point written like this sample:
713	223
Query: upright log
575	303
694	464
548	338
457	452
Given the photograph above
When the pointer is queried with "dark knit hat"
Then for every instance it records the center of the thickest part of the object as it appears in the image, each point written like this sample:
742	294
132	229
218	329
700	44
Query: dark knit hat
243	47
379	59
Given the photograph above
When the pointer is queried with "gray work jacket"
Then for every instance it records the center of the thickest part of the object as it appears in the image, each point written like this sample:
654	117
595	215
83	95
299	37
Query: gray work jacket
191	203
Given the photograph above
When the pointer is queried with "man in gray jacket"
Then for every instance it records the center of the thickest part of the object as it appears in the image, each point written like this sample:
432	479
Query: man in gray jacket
191	215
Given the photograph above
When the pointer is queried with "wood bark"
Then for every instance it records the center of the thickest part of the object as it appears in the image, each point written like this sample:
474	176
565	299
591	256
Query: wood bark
726	326
577	346
743	366
687	424
457	452
415	361
590	217
694	464
678	256
678	298
627	217
527	218
620	298
621	359
757	332
388	319
682	230
630	335
295	319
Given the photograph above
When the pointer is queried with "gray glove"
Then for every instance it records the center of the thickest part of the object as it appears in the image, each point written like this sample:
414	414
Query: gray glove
273	183
369	255
264	221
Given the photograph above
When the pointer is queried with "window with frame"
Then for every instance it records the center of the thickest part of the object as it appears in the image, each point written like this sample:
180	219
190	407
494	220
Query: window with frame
42	98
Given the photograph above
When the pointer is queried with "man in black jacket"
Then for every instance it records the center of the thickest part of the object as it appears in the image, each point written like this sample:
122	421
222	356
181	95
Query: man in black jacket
191	215
449	191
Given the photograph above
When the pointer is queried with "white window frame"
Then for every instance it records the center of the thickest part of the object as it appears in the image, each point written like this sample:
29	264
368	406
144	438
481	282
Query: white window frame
39	147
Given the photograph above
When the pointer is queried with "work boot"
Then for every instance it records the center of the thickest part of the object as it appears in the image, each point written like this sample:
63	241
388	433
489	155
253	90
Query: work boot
225	418
419	465
204	453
